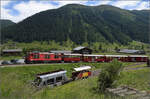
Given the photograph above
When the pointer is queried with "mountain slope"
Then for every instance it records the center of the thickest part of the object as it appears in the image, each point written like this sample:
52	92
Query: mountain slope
82	24
6	23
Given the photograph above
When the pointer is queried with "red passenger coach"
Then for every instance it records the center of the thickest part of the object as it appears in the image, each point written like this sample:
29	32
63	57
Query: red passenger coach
42	57
123	58
137	58
94	58
72	57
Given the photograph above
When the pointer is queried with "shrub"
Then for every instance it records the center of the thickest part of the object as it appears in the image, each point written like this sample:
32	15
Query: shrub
109	74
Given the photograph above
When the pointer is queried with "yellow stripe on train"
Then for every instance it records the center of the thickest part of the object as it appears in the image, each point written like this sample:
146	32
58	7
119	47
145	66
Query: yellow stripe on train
85	74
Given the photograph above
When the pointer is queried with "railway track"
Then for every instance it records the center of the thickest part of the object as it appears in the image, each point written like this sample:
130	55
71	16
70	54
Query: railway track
17	65
20	65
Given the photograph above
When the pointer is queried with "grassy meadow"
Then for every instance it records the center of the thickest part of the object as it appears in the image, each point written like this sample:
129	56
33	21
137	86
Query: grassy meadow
139	79
15	83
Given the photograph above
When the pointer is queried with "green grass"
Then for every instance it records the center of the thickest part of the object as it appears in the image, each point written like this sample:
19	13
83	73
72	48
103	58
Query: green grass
139	79
17	79
15	83
137	66
81	89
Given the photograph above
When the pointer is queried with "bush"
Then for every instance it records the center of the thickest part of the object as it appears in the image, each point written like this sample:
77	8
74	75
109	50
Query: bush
109	74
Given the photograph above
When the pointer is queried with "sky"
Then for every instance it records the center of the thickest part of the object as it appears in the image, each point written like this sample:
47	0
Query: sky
18	10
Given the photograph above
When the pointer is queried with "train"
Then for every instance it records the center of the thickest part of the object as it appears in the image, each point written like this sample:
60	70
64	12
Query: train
59	77
46	57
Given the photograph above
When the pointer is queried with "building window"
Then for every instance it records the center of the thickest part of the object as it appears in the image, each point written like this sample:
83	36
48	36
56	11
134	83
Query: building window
58	79
50	81
47	56
35	56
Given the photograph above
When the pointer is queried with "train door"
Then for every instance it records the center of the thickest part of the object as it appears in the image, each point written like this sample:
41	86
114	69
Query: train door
133	59
93	59
82	58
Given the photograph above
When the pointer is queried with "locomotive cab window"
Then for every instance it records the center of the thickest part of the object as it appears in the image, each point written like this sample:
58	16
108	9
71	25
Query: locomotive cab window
58	79
47	56
36	56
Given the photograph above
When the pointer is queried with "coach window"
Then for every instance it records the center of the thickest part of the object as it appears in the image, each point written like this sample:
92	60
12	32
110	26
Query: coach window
47	56
50	81
36	56
58	79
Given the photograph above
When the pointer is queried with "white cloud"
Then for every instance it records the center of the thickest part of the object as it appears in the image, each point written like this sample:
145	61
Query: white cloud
104	2
62	3
122	4
99	3
143	5
32	7
26	10
3	3
5	12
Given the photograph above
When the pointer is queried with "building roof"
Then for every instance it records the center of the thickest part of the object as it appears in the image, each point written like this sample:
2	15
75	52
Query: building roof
79	48
82	68
128	51
12	50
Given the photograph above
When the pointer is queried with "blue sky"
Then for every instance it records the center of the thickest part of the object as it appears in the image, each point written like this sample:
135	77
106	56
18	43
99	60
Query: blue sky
17	10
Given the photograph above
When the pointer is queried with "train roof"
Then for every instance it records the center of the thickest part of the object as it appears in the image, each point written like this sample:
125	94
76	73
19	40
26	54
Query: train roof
116	55
92	55
42	52
106	55
138	56
53	73
82	68
74	54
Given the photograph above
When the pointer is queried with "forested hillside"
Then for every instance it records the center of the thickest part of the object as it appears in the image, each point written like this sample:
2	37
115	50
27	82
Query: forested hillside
81	24
5	23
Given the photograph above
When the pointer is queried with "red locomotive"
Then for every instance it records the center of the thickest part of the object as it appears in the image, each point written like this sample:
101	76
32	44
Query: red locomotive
45	57
42	57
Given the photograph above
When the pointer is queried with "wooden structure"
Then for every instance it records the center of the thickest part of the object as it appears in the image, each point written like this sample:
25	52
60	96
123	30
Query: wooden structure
131	93
82	50
11	52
